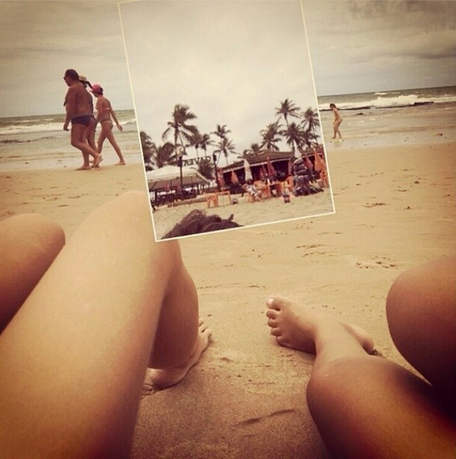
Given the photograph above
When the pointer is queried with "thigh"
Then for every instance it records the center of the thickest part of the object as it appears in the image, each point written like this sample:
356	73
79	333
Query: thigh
73	360
78	133
421	311
29	244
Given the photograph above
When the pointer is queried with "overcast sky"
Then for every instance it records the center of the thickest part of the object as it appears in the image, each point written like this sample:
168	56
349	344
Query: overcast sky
377	45
231	62
355	47
39	40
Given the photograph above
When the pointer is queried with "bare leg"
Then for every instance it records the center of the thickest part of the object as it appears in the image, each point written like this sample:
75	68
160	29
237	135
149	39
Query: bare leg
91	134
73	358
29	245
101	139
363	406
421	311
78	140
106	126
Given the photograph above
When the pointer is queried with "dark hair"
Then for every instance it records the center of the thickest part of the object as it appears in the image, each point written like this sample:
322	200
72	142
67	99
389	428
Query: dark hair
72	74
332	105
197	222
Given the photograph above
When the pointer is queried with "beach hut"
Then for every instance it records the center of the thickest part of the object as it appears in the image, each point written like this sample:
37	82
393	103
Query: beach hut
259	165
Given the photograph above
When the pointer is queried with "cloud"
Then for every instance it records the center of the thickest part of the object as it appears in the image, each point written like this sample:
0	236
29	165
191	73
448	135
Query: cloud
382	40
40	40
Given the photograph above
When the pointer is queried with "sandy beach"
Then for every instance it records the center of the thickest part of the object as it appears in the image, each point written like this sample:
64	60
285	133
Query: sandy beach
395	208
246	213
65	195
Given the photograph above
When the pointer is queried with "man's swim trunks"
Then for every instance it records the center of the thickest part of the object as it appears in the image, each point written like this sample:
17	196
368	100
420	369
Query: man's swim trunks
83	119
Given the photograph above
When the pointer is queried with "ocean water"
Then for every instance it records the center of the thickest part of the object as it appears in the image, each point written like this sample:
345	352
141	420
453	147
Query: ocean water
414	116
419	116
39	142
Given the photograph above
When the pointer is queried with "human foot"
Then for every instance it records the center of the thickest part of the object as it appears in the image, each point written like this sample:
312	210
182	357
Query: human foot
167	377
83	168
299	327
97	161
121	163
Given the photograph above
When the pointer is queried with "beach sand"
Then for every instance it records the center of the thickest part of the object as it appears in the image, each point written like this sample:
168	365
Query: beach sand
66	195
395	208
246	213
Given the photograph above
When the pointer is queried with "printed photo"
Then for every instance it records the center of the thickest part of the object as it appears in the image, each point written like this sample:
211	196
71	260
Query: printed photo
227	111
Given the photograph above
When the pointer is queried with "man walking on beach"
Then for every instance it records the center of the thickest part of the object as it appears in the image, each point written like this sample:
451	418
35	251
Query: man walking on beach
78	112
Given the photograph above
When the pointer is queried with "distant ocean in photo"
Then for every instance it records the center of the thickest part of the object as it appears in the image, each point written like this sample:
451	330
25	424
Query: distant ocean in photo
389	118
39	142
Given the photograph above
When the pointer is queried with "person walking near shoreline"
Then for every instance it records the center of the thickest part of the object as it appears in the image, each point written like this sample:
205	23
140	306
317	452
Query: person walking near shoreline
104	114
337	120
78	114
93	121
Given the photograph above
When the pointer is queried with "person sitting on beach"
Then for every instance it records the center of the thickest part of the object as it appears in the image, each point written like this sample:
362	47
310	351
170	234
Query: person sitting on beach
365	406
197	222
104	114
78	113
254	192
337	120
91	130
81	323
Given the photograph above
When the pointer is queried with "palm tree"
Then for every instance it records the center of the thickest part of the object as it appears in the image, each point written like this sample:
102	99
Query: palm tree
148	148
311	122
225	146
205	142
207	169
294	135
182	131
164	154
287	108
250	152
255	148
221	131
195	142
270	136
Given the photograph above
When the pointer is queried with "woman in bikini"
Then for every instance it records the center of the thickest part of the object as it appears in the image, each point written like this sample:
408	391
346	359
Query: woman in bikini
78	114
337	120
104	114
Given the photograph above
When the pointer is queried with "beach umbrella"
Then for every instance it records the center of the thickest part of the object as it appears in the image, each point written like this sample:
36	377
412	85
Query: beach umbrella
262	173
234	178
308	162
248	171
163	177
271	170
220	177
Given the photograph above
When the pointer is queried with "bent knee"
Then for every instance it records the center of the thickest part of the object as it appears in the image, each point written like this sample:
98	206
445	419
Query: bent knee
430	287
35	229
